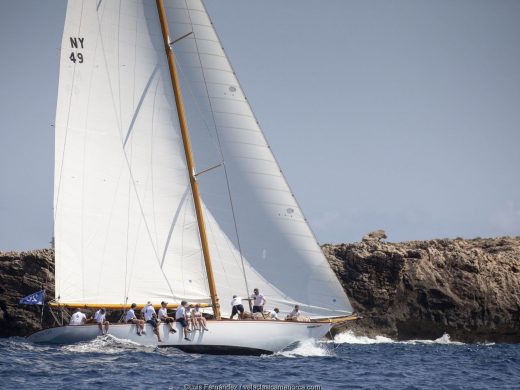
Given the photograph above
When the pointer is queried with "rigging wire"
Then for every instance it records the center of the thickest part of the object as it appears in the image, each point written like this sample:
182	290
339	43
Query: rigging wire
125	293
206	127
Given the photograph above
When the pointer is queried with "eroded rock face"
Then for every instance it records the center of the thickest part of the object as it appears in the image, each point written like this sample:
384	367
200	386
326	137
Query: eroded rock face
21	274
421	289
412	290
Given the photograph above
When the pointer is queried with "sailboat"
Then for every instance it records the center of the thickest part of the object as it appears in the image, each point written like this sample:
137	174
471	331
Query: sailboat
165	188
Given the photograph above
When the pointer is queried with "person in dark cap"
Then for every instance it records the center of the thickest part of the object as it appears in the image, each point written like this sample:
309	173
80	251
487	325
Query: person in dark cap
130	318
162	314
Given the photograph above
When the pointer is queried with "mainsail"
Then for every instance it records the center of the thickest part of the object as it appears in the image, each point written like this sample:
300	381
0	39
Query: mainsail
125	225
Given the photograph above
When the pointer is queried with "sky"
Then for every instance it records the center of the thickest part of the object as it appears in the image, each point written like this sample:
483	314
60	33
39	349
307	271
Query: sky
395	115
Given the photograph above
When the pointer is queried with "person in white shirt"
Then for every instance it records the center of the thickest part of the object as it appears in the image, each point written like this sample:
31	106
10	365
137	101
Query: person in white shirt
130	318
258	302
274	314
151	318
198	320
237	307
295	314
101	321
78	318
180	317
162	314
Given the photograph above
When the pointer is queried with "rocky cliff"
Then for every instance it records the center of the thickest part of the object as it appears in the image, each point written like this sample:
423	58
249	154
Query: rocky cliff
469	289
21	274
420	289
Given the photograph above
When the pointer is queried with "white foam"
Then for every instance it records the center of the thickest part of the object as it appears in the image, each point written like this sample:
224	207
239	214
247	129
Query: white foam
106	344
444	339
306	348
350	338
22	344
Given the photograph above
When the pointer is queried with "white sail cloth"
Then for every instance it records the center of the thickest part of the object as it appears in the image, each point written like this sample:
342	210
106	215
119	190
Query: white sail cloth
125	226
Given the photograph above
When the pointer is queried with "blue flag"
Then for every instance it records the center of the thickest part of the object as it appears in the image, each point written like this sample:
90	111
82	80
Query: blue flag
33	299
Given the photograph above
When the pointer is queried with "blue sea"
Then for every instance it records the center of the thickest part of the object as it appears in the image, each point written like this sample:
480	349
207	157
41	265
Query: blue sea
349	362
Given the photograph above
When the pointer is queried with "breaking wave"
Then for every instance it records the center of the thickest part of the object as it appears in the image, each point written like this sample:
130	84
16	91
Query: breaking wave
444	339
107	344
307	348
350	338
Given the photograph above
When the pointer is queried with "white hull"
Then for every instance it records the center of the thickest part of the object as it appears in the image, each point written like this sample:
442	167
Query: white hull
223	337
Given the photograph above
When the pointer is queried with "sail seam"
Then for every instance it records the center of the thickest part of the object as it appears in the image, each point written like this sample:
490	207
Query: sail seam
234	113
210	68
200	39
253	158
255	130
206	53
227	98
263	145
216	83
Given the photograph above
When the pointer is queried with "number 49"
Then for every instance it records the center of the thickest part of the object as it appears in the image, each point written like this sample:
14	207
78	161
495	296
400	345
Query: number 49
73	57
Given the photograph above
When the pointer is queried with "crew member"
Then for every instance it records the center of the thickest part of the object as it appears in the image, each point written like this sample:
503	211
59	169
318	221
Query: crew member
258	301
78	318
102	321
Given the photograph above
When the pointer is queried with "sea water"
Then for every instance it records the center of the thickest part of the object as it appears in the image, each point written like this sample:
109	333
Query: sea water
348	362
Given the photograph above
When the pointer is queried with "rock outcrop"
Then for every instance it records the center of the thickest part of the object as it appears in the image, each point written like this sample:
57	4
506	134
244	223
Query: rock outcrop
21	274
469	289
377	235
411	290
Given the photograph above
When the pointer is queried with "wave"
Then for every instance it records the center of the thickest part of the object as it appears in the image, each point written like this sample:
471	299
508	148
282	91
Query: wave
306	348
350	338
108	344
444	339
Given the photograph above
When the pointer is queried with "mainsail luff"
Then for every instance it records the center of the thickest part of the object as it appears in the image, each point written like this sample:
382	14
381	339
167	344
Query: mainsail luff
189	158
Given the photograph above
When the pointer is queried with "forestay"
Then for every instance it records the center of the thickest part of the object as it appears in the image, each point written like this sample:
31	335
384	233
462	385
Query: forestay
125	225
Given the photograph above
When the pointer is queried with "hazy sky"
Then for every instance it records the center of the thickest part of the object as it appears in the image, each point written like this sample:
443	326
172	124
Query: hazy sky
400	115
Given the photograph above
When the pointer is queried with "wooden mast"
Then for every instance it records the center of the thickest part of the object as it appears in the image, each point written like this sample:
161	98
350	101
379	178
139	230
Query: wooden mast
189	158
